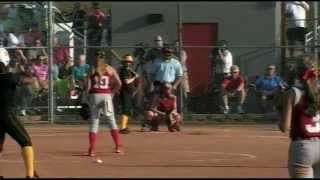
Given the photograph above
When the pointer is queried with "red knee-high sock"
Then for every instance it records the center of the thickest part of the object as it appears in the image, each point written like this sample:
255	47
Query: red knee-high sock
116	137
92	141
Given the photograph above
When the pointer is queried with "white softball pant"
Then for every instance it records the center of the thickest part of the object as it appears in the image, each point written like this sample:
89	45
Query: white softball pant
101	104
304	159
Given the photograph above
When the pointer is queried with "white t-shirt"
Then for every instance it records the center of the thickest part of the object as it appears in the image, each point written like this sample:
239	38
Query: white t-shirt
225	63
298	13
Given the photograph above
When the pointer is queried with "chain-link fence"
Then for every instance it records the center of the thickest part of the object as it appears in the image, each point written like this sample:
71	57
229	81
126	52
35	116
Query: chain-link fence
47	39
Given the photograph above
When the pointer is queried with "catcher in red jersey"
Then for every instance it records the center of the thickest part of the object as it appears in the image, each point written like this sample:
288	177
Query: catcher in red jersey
164	107
103	83
301	116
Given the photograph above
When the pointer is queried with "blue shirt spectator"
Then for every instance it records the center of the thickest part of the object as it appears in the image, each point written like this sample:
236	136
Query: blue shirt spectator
81	69
166	71
270	81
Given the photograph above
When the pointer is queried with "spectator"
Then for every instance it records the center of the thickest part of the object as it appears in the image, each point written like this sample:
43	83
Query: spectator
40	72
95	25
65	69
149	57
32	35
79	71
166	70
223	61
60	53
78	18
33	53
155	52
296	13
268	87
183	61
18	64
233	86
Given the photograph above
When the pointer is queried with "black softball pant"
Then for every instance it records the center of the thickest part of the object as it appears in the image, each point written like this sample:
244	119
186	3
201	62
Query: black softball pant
127	99
10	124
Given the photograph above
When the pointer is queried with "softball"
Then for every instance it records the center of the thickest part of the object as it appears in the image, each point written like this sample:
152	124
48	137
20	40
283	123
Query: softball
99	161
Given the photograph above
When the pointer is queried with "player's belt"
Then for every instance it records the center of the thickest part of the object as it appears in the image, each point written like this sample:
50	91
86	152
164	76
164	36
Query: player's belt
306	138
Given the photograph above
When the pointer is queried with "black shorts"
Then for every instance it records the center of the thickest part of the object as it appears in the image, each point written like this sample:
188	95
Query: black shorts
12	125
296	34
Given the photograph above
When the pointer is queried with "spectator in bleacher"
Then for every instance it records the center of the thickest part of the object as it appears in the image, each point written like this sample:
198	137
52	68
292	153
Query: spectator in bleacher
296	12
18	64
223	61
40	71
268	86
65	69
79	71
33	53
32	35
78	16
183	61
96	19
233	86
150	56
60	53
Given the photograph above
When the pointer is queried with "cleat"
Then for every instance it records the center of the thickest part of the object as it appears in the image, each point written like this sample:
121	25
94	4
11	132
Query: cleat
35	175
118	150
91	153
124	131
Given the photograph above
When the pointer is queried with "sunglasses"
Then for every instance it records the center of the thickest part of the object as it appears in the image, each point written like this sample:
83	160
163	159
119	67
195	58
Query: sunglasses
270	68
234	72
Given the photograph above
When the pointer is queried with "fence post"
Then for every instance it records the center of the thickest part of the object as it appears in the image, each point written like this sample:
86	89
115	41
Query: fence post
50	48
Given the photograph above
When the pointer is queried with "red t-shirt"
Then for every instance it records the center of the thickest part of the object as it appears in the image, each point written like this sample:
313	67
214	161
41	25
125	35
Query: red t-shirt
60	54
231	83
304	126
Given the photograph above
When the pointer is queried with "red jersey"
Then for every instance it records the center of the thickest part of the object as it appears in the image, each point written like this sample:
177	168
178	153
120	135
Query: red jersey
233	83
166	104
100	84
302	125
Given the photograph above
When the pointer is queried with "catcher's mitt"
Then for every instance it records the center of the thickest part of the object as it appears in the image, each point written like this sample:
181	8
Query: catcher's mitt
85	111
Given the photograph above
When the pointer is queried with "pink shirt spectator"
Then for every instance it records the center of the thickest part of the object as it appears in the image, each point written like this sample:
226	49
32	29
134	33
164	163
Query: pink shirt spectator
40	71
60	54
